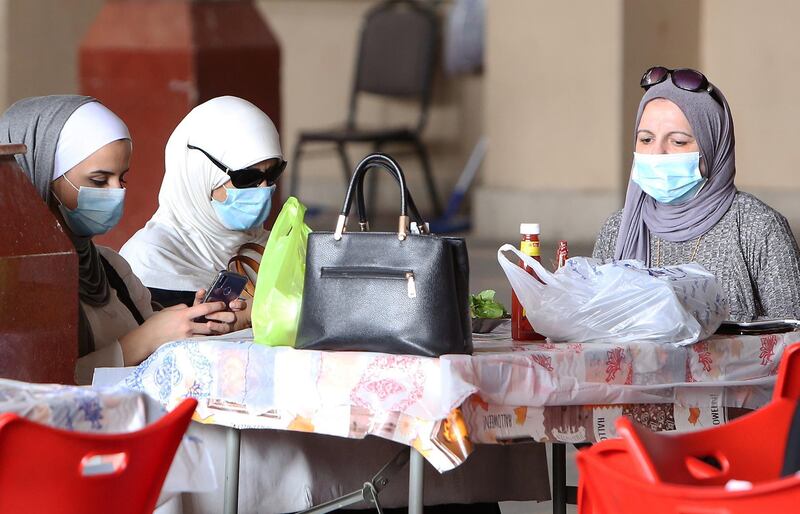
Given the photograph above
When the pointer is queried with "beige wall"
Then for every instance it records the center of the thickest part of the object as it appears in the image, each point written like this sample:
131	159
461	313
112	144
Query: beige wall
319	40
557	99
553	103
41	46
562	92
754	56
543	58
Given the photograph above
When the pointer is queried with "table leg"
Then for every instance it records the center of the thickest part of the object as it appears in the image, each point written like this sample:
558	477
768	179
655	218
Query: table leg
231	494
559	478
416	471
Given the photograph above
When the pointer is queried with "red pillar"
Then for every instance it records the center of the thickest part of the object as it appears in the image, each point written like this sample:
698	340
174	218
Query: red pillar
38	284
152	61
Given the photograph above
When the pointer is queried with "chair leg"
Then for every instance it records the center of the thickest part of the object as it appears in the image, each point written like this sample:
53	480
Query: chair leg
346	168
294	180
559	477
426	169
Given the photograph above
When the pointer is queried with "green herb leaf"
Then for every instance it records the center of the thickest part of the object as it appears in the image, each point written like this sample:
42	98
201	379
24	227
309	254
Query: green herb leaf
483	305
487	295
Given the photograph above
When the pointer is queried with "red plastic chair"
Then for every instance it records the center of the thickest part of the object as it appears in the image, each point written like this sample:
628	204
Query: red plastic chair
54	471
686	473
607	489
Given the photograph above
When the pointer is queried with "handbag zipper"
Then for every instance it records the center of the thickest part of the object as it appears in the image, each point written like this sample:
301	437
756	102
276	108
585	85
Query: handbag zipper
412	285
373	272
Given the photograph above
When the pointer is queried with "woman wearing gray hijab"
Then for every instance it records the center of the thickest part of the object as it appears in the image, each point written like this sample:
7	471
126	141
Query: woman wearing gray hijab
682	204
77	158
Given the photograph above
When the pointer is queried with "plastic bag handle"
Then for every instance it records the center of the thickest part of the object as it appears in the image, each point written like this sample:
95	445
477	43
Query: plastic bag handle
541	272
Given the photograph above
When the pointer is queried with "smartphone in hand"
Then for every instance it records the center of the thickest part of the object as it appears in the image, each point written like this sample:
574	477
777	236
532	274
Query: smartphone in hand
227	287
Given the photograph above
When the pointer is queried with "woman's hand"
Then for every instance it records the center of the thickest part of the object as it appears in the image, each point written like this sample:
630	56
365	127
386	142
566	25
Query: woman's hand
172	324
241	309
237	318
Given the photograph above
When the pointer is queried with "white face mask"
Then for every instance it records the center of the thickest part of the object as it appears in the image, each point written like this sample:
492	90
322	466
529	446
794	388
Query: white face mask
668	178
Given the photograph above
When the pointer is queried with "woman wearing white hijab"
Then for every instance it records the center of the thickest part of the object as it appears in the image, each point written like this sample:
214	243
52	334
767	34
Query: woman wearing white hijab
221	164
77	157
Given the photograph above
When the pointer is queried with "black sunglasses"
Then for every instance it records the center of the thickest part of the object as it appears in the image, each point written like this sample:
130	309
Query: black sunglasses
247	177
683	78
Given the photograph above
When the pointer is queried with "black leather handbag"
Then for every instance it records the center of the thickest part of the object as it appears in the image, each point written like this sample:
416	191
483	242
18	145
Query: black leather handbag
391	292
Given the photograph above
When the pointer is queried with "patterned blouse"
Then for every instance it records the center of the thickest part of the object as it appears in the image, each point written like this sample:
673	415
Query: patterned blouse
751	251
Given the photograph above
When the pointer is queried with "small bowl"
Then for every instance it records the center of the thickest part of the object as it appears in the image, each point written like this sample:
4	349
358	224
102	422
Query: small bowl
486	325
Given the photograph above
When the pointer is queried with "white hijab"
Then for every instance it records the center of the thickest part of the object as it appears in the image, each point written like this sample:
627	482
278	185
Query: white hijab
184	244
89	128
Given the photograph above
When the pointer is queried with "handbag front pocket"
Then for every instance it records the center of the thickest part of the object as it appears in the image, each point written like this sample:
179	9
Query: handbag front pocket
373	273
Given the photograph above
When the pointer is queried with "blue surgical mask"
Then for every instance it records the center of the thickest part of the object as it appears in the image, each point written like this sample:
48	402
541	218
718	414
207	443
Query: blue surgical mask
669	178
244	209
98	210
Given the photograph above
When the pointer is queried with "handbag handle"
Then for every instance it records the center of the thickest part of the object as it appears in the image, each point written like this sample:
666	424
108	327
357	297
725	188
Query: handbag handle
239	261
375	160
363	222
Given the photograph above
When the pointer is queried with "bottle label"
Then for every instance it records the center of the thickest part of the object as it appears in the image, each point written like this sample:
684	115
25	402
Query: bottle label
529	248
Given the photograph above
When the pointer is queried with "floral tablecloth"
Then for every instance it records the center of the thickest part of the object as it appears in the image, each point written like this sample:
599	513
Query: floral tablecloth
505	392
112	410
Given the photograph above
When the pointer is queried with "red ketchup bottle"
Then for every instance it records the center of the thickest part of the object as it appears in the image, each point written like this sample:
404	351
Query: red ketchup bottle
521	329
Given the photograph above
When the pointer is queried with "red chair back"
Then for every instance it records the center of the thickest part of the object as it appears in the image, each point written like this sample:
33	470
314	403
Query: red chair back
606	488
661	473
54	471
788	385
714	456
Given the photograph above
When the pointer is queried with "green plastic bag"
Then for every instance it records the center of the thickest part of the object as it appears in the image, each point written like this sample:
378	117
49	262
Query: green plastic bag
279	288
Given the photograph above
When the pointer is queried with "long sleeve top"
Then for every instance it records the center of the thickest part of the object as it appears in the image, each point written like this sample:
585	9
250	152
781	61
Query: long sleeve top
112	320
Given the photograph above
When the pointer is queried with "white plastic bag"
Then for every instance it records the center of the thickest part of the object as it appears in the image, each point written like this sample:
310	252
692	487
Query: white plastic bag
617	302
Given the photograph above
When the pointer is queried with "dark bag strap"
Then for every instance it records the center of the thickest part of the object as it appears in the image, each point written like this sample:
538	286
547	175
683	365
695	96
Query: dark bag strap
382	161
362	207
115	281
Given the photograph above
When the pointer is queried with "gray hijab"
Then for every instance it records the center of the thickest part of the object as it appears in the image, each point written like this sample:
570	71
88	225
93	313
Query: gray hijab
713	129
37	123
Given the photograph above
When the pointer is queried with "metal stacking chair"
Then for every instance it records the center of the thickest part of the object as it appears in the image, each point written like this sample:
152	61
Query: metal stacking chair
396	56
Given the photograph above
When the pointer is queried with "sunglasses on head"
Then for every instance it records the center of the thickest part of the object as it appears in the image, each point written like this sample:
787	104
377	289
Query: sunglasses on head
683	78
247	177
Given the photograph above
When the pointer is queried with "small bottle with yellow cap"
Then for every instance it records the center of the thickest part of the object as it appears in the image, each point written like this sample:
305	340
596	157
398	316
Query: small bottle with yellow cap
521	329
